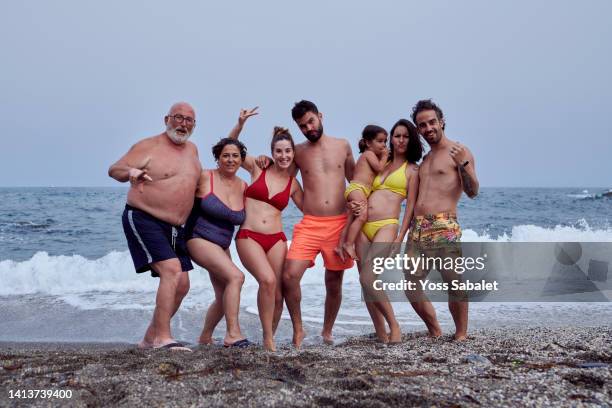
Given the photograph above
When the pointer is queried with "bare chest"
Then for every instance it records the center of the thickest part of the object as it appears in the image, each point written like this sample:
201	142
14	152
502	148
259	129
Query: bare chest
438	168
167	164
321	162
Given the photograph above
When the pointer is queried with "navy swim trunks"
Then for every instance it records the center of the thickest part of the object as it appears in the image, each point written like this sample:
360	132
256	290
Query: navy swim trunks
151	240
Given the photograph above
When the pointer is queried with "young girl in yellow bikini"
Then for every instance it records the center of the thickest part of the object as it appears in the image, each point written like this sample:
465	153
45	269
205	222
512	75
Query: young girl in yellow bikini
374	156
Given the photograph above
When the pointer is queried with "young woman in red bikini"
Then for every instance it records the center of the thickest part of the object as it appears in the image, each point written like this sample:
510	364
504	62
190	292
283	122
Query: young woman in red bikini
260	241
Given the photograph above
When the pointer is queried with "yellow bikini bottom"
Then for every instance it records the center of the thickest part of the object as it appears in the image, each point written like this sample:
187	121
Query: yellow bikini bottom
372	227
355	185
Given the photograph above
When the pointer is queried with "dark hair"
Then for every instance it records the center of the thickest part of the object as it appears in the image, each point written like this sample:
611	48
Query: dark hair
414	150
368	134
281	133
427	104
216	149
300	108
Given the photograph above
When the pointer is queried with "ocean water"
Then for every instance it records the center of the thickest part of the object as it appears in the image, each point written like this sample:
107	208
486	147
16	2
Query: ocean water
66	274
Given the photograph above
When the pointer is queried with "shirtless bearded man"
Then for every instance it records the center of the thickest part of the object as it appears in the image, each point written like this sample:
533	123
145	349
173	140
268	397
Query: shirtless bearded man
163	171
325	162
446	171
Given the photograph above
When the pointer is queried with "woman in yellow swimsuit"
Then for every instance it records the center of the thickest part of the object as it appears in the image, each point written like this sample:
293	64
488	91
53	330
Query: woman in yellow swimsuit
398	181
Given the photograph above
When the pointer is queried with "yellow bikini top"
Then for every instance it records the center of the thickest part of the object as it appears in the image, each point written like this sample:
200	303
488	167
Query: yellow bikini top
395	181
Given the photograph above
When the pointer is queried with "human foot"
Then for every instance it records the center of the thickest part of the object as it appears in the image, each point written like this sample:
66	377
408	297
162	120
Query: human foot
350	250
327	338
269	345
460	336
172	345
298	338
229	340
395	336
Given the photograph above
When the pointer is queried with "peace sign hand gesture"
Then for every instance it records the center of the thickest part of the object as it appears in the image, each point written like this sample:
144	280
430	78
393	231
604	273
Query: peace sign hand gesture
245	114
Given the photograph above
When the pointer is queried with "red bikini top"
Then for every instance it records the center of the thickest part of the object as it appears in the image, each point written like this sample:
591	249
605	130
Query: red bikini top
259	191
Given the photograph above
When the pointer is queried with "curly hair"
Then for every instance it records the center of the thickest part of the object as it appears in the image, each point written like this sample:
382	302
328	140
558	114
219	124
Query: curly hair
414	150
427	104
216	149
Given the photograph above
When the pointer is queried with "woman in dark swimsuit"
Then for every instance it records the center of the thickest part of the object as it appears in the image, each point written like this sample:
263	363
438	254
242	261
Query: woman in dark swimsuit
218	207
261	243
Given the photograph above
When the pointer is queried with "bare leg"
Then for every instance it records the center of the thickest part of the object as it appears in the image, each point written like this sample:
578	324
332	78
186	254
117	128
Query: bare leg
158	332
181	291
427	313
333	299
292	275
457	305
385	234
254	259
356	224
219	264
363	245
214	314
276	257
459	311
419	301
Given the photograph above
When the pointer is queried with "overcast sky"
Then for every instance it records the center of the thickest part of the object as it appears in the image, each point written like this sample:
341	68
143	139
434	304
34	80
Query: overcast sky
525	84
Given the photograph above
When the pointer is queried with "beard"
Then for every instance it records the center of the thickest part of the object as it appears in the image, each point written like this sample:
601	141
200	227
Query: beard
175	137
314	137
432	139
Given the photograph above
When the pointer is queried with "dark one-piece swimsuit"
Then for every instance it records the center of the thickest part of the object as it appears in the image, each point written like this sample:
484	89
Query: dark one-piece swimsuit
212	220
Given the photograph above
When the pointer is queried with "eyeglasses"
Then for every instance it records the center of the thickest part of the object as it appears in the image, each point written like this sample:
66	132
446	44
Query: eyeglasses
180	118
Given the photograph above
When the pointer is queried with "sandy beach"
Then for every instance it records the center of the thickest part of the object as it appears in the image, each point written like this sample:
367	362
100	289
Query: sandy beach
495	367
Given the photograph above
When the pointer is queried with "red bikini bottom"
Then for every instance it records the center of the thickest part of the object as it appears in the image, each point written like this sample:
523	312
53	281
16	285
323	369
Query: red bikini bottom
266	241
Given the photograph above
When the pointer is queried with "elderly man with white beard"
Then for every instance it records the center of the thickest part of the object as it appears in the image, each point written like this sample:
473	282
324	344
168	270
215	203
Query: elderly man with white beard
163	171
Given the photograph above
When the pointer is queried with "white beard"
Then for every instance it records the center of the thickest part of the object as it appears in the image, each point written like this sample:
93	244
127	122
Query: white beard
175	137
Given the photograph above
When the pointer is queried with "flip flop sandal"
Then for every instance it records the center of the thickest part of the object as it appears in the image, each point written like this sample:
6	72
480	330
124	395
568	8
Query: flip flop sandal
173	347
244	343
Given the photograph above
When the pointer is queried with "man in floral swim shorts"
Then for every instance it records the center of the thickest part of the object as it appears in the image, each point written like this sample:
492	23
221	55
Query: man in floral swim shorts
446	171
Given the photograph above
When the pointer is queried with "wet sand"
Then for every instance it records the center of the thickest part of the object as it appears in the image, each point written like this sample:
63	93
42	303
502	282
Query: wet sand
512	367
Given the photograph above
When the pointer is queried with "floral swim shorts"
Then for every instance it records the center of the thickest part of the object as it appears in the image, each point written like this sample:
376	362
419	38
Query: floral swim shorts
435	229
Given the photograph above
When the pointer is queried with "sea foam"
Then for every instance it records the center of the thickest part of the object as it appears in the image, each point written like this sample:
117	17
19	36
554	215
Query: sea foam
70	276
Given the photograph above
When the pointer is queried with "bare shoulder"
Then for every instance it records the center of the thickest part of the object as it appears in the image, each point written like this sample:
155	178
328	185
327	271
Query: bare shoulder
301	146
205	175
146	143
412	168
192	147
339	141
368	154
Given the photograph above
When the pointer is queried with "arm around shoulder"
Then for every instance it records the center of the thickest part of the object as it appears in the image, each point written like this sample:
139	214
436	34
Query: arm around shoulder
297	194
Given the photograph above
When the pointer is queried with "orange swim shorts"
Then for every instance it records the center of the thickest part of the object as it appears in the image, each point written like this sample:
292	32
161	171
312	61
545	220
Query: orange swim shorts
319	234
